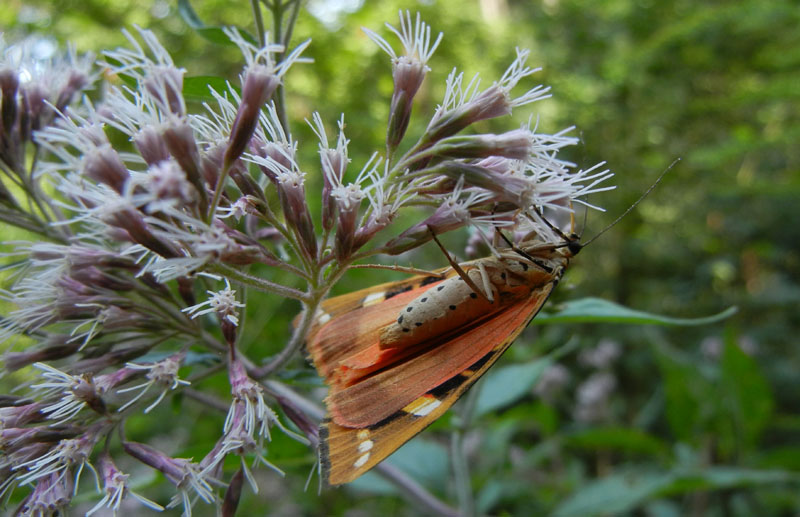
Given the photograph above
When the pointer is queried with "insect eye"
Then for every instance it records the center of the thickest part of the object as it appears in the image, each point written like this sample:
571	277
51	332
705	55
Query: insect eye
574	247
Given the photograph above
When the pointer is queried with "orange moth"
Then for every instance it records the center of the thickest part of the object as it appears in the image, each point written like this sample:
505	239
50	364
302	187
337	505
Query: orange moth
396	356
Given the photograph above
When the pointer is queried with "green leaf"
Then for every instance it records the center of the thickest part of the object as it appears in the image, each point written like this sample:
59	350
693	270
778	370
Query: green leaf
626	491
614	494
684	390
210	33
749	396
617	439
503	386
197	88
424	460
596	310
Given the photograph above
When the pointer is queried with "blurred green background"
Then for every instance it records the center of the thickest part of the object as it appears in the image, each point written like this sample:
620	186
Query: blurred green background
671	420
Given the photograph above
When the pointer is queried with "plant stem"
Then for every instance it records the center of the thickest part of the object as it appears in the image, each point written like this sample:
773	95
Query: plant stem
259	283
466	503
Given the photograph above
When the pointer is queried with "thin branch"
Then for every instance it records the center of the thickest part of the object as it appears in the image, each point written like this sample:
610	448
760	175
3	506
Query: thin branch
415	492
259	283
466	501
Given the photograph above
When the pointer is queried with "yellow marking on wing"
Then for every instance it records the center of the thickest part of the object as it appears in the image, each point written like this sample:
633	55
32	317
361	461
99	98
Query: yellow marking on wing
423	405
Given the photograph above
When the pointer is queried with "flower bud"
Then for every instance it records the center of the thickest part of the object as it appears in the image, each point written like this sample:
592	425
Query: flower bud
104	165
259	85
151	146
172	468
165	84
55	346
76	82
137	231
348	201
516	189
334	163
292	195
515	145
9	84
183	147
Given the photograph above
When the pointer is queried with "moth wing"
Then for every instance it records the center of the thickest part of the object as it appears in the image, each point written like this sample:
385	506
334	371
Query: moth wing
338	305
378	396
348	452
347	324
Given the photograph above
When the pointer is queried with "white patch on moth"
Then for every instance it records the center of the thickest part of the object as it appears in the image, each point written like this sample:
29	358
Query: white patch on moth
372	299
423	406
365	446
323	317
363	434
361	461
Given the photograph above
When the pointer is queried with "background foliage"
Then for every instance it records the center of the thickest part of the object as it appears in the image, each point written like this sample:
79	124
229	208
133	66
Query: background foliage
699	419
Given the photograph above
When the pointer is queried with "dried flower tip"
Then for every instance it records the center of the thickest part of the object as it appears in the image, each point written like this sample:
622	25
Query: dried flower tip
116	489
222	302
334	163
409	70
347	201
19	416
157	75
67	454
161	375
261	77
76	393
183	473
464	106
51	496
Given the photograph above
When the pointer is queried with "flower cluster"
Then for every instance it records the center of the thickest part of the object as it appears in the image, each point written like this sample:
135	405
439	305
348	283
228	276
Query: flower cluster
142	241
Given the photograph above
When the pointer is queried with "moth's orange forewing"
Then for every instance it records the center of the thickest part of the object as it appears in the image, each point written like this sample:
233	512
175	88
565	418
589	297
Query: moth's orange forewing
383	393
348	452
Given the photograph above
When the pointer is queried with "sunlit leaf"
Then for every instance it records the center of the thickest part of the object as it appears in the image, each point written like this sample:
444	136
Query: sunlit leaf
596	310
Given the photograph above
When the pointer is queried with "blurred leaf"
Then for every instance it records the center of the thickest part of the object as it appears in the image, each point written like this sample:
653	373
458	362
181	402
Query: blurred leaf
596	310
613	494
625	491
425	461
617	439
504	386
212	34
683	389
749	394
197	88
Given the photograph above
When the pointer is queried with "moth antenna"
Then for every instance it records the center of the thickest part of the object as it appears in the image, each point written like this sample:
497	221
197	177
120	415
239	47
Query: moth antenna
641	198
516	249
550	225
585	218
464	276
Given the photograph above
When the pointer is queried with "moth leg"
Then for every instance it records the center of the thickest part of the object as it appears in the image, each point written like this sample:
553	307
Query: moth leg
487	285
464	276
402	269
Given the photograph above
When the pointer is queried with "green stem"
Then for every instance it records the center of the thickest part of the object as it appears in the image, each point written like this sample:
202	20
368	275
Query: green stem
463	481
259	283
259	21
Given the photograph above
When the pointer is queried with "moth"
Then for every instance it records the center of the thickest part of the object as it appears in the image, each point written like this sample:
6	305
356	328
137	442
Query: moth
396	356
